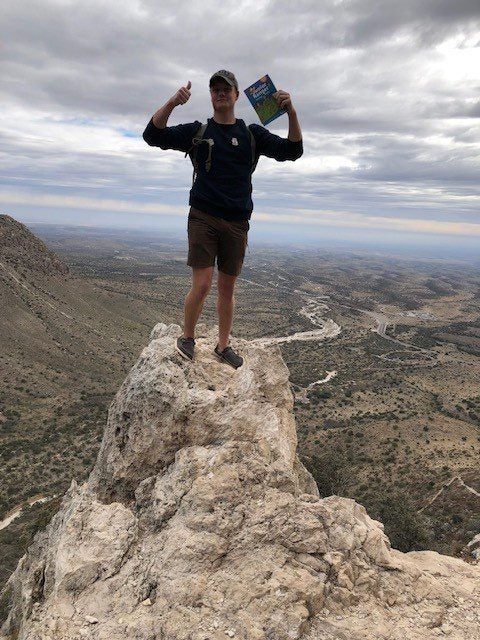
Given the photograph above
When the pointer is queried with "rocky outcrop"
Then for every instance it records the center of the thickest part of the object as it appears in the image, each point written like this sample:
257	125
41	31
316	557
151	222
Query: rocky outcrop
472	550
199	522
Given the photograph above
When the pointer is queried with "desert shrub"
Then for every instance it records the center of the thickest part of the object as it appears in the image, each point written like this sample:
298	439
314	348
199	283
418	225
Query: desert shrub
407	529
330	471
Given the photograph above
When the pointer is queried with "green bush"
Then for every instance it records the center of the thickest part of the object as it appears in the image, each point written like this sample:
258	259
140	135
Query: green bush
407	529
331	472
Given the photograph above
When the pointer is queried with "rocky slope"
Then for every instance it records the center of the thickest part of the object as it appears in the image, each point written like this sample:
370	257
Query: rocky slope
198	522
66	343
20	249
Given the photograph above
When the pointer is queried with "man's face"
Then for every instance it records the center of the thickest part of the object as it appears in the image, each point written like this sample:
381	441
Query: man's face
223	96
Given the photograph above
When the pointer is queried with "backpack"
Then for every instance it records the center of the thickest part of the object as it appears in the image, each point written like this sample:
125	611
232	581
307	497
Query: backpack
198	139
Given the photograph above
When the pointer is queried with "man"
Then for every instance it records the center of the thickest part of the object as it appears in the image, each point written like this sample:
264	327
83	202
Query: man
221	195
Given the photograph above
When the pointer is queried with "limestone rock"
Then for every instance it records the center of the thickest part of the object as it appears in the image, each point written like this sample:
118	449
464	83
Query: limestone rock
164	406
199	522
473	549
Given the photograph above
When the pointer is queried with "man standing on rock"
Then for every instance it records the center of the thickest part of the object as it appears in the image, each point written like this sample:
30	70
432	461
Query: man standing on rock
224	154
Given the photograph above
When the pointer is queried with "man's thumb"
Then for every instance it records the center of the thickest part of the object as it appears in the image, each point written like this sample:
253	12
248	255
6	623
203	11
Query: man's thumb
189	86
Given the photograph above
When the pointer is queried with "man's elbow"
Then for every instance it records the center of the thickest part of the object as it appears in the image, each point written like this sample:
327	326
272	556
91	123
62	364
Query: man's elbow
148	139
153	141
297	153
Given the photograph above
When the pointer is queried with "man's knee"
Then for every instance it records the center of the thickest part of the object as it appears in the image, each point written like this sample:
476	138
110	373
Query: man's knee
226	285
201	282
201	289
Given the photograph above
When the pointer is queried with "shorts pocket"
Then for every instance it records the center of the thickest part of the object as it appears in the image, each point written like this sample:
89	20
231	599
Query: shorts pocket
243	225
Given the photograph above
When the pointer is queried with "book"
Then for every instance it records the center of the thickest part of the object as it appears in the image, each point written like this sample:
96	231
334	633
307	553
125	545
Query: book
260	94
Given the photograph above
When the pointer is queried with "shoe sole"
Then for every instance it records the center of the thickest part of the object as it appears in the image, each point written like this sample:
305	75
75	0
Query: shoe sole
227	362
184	355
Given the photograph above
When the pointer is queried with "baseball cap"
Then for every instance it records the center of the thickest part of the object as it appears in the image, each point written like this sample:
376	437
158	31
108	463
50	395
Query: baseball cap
225	75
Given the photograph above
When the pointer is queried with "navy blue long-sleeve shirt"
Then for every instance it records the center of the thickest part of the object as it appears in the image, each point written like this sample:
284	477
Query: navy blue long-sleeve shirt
225	190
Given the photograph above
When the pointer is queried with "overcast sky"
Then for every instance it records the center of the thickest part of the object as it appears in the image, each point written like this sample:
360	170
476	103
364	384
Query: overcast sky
387	92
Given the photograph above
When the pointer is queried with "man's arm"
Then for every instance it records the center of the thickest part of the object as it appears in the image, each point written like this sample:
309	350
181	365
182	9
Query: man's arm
179	137
273	146
160	117
284	101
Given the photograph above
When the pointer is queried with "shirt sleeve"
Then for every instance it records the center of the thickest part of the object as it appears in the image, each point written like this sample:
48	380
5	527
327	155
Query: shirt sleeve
273	146
178	137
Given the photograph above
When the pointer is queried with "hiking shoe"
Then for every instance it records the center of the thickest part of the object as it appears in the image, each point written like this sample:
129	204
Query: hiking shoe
229	356
186	347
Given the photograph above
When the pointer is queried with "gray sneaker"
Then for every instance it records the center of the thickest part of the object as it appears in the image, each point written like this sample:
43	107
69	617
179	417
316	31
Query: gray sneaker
186	347
229	356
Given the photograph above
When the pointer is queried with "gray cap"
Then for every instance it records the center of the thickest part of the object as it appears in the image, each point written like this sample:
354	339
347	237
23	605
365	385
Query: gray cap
227	76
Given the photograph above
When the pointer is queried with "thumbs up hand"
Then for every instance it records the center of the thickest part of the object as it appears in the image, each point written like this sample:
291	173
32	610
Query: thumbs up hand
182	95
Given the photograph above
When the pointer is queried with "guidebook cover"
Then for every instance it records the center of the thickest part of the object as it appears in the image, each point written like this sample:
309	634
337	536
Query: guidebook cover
260	94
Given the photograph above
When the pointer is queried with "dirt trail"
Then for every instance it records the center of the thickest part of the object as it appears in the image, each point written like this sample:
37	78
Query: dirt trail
445	486
16	511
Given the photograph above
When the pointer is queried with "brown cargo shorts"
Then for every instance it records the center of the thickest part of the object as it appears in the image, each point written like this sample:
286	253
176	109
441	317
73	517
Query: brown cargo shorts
210	237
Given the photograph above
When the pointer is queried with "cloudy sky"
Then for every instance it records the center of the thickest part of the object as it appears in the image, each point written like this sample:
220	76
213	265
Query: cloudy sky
387	92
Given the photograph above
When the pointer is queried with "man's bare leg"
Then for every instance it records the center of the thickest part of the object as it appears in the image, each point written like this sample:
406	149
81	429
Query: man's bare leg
201	283
225	307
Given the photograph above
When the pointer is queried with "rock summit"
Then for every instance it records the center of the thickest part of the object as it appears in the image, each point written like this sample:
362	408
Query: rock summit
199	522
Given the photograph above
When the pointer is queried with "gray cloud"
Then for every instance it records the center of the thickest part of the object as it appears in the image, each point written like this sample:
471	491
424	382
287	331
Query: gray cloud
387	94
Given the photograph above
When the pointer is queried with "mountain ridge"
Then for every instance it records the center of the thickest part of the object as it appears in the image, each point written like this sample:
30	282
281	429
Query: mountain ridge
21	249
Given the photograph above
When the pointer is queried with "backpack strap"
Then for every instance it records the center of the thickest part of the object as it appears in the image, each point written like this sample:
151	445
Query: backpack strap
253	144
192	152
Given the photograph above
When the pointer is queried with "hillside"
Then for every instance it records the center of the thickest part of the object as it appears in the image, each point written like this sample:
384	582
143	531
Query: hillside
65	344
23	252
